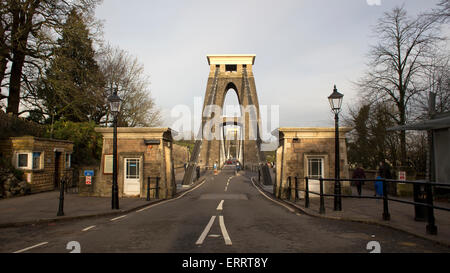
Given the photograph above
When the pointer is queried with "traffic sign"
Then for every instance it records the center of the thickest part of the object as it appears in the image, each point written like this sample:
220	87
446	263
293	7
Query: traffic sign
88	180
88	173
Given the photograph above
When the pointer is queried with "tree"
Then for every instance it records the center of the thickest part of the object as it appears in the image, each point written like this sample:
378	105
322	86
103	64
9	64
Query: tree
87	143
442	13
397	61
29	24
73	85
125	74
370	142
360	148
5	26
436	79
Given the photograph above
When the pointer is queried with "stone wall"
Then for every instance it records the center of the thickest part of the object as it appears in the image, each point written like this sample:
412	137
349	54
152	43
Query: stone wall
10	185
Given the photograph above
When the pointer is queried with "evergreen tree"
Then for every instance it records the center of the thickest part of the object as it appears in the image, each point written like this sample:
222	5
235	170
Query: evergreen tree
73	85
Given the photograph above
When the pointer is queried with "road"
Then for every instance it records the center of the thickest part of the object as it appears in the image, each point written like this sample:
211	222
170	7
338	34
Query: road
225	214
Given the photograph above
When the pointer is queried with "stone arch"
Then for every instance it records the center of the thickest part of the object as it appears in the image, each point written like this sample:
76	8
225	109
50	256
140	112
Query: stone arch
231	87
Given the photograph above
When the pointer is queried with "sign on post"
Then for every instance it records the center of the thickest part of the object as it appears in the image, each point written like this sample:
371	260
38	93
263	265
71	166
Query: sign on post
88	180
88	173
402	176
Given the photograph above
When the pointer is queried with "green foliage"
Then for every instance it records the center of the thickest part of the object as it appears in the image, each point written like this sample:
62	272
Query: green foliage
372	143
16	126
73	85
186	143
87	142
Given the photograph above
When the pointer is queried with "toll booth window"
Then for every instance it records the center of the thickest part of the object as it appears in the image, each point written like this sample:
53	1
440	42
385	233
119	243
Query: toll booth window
231	67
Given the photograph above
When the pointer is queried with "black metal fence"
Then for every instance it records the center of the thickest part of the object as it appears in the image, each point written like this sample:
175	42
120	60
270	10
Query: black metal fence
156	188
423	197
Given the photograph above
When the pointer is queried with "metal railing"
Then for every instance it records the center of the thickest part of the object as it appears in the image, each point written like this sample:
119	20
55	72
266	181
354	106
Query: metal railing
156	188
428	204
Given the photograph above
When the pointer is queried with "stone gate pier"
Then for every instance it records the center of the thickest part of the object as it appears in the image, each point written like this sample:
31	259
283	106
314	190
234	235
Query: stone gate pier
142	153
309	152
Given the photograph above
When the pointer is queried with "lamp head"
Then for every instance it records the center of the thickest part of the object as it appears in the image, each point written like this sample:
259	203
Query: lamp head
335	100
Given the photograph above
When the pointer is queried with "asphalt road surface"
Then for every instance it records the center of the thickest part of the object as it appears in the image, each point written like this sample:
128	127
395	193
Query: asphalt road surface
225	214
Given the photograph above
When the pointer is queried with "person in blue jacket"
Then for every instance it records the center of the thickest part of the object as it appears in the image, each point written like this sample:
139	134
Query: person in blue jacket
384	172
379	186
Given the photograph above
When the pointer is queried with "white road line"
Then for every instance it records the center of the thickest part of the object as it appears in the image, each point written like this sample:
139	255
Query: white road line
88	228
220	207
160	203
226	188
206	231
214	235
31	247
117	218
226	237
281	204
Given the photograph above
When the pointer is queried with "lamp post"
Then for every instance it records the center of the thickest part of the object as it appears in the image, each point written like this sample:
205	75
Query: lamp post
336	102
115	103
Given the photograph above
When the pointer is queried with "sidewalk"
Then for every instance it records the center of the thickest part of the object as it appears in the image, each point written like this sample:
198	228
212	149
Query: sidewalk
43	207
370	211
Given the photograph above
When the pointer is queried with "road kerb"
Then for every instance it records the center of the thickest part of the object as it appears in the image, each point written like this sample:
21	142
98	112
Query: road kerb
355	220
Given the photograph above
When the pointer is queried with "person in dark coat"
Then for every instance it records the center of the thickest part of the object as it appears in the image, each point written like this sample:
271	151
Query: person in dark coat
359	174
384	173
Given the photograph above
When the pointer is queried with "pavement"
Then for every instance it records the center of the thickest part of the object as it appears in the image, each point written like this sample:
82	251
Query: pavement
225	213
42	208
370	211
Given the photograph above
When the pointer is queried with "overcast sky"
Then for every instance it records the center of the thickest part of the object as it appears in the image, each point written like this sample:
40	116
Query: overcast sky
302	48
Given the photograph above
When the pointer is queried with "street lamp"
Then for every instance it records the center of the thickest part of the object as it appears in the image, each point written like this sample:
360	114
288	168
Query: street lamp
115	103
336	102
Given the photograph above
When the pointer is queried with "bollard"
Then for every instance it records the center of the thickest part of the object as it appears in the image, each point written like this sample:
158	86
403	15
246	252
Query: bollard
61	200
322	201
386	215
157	188
296	190
198	172
306	192
259	175
148	189
431	227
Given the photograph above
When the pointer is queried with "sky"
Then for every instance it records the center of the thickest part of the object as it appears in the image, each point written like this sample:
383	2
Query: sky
303	47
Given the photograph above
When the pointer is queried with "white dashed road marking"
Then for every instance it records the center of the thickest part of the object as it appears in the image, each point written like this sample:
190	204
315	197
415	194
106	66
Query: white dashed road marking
31	247
117	218
88	228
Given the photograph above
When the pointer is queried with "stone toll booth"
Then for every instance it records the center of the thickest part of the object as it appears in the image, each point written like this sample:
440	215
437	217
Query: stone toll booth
44	161
309	152
142	153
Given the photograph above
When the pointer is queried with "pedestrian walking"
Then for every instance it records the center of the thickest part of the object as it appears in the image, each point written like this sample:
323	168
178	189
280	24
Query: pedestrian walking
359	174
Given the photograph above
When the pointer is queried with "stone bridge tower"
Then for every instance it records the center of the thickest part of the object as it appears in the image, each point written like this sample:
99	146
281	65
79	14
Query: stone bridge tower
229	72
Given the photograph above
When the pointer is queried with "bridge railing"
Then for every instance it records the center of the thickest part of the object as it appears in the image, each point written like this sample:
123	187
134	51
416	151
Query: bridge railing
426	198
